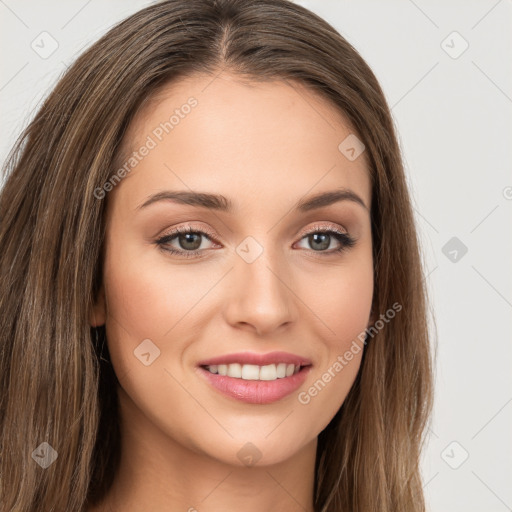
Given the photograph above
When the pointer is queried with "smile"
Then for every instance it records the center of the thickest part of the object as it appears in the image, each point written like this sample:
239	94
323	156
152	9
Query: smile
255	372
255	378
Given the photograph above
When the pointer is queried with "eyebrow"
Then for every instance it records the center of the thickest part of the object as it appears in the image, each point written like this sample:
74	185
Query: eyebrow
221	203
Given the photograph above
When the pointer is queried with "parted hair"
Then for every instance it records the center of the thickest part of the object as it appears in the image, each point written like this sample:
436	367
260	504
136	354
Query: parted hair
56	383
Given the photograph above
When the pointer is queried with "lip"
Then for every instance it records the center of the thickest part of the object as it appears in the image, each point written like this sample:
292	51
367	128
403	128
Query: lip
258	359
255	391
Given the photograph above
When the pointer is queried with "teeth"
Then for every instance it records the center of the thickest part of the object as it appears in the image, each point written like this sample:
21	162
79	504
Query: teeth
235	370
255	372
249	372
268	372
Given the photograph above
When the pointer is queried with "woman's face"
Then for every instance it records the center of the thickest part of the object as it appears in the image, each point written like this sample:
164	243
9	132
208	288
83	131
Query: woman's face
260	285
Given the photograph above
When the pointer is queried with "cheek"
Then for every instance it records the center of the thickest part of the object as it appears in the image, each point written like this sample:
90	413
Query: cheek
343	304
347	307
148	298
342	299
146	295
148	303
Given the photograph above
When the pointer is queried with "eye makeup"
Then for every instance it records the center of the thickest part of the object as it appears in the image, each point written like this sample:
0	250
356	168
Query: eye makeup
319	234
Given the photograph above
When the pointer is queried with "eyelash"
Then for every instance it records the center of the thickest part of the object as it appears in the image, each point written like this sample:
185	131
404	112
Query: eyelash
345	240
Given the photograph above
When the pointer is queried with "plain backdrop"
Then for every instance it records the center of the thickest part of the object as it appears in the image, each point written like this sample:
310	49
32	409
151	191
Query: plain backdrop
445	69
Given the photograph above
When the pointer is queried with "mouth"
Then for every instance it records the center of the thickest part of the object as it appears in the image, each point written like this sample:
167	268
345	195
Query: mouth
256	378
269	372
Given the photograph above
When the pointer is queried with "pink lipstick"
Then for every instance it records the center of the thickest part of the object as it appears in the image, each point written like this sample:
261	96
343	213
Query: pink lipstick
256	378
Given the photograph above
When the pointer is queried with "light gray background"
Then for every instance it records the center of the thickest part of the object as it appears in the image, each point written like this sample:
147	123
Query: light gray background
453	114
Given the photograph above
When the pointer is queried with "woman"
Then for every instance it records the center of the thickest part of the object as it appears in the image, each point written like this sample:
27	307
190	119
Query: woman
212	294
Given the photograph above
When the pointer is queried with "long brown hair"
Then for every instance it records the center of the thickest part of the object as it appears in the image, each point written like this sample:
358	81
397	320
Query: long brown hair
56	384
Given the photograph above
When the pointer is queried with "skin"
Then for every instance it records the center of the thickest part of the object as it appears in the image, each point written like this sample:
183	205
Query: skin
180	436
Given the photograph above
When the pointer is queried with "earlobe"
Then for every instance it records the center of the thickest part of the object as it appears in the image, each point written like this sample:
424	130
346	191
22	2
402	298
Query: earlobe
98	315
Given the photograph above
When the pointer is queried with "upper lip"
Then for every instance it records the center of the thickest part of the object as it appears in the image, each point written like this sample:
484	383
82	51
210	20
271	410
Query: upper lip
257	359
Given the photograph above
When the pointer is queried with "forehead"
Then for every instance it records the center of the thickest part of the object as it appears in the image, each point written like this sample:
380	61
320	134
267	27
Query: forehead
260	140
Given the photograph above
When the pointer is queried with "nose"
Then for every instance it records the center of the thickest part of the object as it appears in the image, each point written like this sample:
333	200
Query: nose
260	296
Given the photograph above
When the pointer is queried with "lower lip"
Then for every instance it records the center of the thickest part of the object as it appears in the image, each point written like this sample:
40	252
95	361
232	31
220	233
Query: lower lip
256	391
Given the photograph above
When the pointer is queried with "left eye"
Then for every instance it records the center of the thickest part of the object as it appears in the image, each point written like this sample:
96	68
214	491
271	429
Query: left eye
321	240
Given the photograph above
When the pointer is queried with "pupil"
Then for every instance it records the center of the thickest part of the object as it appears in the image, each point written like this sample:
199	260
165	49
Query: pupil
321	240
187	241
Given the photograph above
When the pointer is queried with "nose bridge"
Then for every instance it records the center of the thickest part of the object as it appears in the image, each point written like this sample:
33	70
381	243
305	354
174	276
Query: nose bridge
260	295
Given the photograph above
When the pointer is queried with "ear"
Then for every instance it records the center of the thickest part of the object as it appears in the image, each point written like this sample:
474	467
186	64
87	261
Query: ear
98	314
